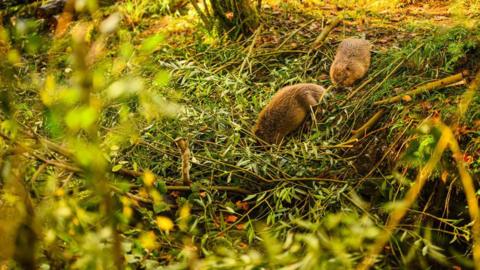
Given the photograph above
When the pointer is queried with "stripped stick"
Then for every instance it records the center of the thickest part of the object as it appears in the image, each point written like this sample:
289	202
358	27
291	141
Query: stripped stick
357	133
182	145
425	87
363	129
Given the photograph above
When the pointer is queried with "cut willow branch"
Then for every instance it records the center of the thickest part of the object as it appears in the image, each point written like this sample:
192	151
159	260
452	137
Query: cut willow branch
362	131
250	49
323	35
219	188
319	41
425	88
126	172
181	188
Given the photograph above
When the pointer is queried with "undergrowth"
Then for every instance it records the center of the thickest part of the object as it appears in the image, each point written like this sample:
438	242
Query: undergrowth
315	202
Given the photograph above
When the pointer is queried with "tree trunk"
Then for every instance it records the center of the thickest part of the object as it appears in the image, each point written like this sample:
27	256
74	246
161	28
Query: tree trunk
234	17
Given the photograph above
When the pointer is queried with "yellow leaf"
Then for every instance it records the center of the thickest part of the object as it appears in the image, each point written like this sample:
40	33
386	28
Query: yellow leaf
148	178
60	192
444	176
164	223
407	98
14	57
185	211
184	217
127	211
156	196
47	94
148	240
49	236
117	168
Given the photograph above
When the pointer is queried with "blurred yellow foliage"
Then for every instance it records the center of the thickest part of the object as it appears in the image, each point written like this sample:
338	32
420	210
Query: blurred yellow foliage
164	223
148	178
148	240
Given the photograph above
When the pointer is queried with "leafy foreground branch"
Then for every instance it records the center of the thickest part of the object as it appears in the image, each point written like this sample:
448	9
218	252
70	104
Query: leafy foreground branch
124	172
446	140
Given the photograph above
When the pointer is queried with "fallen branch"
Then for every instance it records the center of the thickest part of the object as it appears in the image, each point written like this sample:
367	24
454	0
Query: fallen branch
58	164
425	88
181	188
127	172
219	188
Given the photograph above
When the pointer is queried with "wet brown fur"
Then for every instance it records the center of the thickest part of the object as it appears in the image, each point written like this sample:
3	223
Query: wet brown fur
351	62
286	111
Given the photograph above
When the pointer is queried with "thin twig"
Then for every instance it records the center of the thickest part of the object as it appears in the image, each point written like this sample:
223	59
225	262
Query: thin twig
250	48
292	34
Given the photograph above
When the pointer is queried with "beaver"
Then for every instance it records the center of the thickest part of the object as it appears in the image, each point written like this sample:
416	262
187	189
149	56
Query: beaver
286	111
351	61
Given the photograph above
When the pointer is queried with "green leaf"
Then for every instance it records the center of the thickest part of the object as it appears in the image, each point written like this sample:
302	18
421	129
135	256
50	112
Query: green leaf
117	168
151	44
161	186
249	197
162	77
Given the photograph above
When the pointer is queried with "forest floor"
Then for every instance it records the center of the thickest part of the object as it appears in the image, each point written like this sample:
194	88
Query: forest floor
327	190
